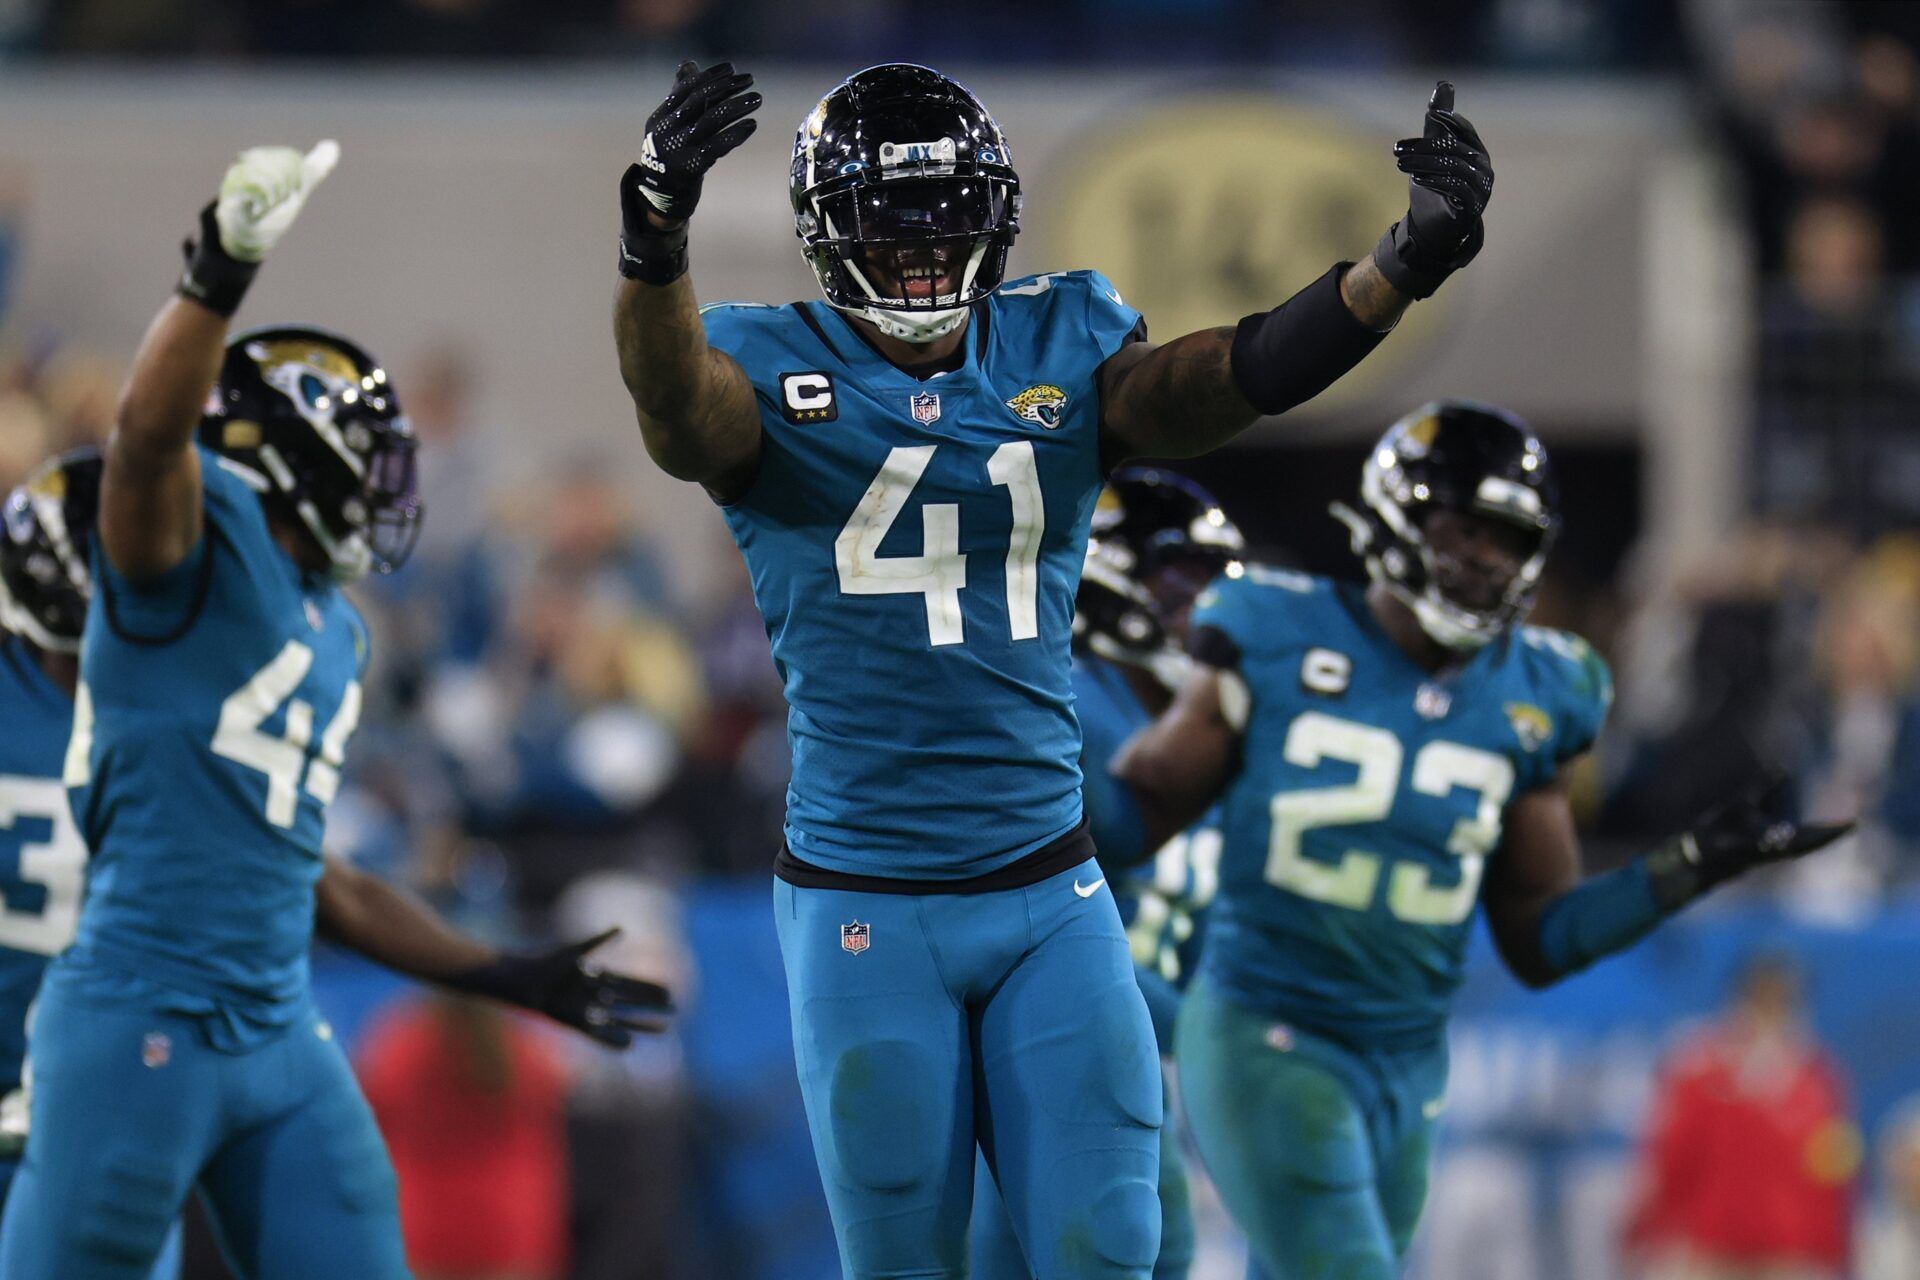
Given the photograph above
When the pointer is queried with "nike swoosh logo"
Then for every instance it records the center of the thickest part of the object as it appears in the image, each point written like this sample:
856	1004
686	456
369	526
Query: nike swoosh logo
1088	892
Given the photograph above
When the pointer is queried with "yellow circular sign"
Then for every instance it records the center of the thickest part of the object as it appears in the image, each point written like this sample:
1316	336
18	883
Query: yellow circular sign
1213	208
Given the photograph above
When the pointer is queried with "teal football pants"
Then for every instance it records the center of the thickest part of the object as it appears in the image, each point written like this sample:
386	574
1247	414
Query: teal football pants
1319	1151
130	1108
927	1024
167	1267
994	1250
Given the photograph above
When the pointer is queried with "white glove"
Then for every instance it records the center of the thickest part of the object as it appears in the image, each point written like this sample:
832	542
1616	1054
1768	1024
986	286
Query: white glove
262	195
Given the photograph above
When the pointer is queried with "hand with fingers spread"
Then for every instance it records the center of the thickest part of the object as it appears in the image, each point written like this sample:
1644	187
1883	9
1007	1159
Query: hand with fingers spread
563	984
262	193
1451	180
706	115
1733	837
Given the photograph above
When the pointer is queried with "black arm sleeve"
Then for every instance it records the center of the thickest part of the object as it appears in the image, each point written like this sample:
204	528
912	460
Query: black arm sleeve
1290	354
1214	647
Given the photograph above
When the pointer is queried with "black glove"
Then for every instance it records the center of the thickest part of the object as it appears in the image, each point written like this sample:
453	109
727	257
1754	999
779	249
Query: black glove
565	986
702	119
1735	836
1452	182
214	278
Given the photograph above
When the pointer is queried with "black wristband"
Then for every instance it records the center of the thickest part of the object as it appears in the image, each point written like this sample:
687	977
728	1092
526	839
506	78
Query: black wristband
1214	647
213	278
1674	873
1292	353
1414	271
654	257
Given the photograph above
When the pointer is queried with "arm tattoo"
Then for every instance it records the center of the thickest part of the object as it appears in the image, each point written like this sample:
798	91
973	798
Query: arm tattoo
1177	400
695	407
1374	303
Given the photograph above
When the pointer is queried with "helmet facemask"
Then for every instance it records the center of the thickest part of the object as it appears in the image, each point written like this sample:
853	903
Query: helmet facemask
1391	539
911	255
905	200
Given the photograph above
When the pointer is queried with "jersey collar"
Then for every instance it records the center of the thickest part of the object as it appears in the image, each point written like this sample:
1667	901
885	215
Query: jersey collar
838	333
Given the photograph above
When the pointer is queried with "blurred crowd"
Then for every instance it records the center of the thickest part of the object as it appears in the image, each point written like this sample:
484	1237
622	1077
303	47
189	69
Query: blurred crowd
1819	106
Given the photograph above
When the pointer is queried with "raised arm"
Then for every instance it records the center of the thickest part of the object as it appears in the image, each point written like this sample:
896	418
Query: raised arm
394	928
1199	391
1548	922
150	489
1178	766
695	406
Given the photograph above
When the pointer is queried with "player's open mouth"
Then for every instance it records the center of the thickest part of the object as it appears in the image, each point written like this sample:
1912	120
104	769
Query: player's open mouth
918	274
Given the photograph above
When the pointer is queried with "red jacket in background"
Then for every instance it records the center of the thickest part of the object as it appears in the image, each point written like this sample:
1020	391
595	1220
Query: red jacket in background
482	1169
1750	1156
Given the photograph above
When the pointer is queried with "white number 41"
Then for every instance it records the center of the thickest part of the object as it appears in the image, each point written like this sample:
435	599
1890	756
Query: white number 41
940	570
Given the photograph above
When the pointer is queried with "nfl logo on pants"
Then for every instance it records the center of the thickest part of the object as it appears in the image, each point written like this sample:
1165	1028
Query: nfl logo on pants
854	937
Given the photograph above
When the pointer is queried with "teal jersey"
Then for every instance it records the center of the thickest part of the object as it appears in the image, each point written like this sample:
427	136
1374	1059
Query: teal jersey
1370	796
914	547
209	732
1163	901
42	858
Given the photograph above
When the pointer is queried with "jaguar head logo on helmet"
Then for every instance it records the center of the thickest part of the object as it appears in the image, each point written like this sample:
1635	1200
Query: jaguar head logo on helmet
312	423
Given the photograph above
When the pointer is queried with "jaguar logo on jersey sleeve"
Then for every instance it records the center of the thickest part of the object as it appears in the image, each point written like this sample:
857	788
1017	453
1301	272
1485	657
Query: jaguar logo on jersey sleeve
1041	404
1530	724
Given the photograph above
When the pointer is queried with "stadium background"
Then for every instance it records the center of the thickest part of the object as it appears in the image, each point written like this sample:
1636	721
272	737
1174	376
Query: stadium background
1699	284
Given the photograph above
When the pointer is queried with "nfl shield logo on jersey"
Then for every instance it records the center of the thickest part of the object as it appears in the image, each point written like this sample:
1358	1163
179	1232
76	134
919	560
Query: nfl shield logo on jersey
926	407
156	1050
855	937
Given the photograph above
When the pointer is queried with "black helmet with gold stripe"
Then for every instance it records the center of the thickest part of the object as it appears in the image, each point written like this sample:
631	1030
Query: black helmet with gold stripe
313	423
1157	539
46	527
1464	457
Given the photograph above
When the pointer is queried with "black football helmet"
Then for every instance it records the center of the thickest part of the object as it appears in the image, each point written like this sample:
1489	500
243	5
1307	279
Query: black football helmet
1157	540
1460	456
905	197
312	423
46	528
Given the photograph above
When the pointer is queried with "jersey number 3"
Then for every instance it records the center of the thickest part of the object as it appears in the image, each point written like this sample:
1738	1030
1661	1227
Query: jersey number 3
940	570
57	864
1438	768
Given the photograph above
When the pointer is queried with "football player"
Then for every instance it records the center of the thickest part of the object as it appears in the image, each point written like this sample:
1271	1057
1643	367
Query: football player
909	466
1390	760
43	603
1157	539
174	1043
